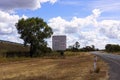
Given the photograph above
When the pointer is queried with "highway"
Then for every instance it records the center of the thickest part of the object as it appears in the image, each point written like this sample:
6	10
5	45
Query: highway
113	62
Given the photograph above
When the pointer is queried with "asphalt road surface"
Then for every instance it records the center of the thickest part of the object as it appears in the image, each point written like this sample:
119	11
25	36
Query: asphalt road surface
114	63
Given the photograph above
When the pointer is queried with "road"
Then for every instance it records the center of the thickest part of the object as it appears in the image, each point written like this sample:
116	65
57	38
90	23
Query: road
114	63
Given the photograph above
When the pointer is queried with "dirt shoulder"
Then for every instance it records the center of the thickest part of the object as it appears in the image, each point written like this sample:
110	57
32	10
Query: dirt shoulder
75	67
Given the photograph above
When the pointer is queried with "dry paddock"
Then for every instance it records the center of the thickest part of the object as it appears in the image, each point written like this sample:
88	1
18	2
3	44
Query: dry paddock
72	67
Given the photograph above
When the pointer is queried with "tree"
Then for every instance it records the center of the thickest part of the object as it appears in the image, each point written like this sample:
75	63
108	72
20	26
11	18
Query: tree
92	47
77	45
34	31
89	48
112	47
108	47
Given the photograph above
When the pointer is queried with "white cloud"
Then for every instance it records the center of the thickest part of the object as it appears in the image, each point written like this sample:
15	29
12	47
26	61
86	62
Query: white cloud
22	4
62	26
7	22
96	12
110	28
8	30
88	30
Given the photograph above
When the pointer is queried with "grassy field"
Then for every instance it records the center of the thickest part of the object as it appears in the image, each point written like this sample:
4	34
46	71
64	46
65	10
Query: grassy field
74	66
8	49
6	46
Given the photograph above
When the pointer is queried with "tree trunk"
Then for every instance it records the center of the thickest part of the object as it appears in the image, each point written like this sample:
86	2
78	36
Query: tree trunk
31	50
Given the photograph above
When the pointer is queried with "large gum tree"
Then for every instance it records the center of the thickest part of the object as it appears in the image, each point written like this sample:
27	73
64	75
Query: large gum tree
34	31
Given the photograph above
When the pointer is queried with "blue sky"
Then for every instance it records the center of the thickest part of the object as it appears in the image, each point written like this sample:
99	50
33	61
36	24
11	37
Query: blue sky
91	22
69	8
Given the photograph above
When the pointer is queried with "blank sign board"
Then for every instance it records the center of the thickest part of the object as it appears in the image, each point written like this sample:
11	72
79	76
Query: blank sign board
59	42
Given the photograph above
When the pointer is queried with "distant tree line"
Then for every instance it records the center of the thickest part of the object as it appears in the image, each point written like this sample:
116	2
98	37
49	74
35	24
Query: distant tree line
76	47
112	48
89	48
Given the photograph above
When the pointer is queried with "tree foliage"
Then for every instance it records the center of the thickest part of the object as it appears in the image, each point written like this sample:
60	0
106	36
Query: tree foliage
77	45
74	47
88	48
112	48
34	31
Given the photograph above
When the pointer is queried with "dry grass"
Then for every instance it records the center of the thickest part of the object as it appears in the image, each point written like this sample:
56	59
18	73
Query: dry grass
75	66
12	47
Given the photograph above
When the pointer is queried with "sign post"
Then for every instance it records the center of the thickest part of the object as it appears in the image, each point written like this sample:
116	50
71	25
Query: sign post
95	63
59	43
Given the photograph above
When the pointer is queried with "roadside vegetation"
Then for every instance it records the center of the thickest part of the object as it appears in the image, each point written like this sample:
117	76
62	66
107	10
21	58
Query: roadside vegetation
76	48
74	66
113	48
11	51
50	66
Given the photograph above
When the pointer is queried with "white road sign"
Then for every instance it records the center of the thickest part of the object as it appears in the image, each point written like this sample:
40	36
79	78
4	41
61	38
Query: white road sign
59	42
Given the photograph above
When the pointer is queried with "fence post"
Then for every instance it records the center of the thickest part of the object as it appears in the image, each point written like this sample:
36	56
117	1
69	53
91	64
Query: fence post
95	63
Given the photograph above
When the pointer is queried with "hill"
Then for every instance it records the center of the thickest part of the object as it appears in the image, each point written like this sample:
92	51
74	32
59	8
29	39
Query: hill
11	47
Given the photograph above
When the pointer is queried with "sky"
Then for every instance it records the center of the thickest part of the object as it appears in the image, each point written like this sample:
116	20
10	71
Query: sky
90	22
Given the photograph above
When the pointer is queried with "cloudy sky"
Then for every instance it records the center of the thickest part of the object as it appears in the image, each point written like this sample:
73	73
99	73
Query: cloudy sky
91	22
